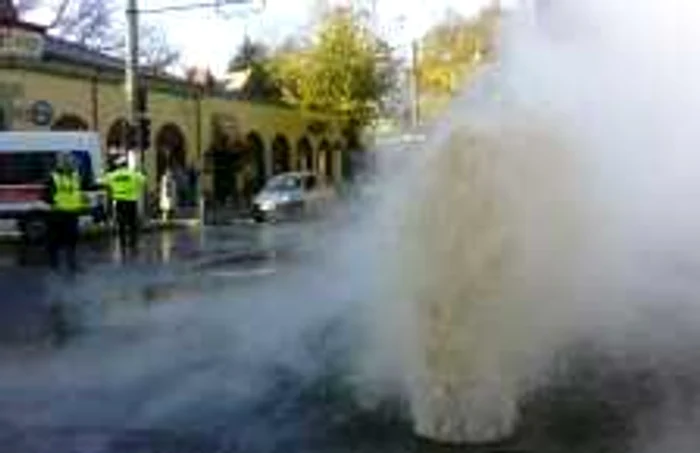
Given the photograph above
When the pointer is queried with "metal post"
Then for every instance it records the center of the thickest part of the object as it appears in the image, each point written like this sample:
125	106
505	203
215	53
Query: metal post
415	85
269	163
131	75
131	79
201	206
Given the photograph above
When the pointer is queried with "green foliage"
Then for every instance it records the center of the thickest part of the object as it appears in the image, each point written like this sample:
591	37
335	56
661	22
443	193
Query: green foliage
451	50
343	71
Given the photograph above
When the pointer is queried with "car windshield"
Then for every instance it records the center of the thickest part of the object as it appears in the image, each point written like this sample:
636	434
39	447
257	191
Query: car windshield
283	183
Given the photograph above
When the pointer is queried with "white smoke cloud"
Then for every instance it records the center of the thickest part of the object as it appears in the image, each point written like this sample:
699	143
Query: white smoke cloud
583	136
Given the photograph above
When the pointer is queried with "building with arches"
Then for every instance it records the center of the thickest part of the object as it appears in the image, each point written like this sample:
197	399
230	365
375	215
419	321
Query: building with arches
50	84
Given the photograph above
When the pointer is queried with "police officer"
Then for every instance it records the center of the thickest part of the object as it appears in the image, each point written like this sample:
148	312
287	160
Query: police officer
125	188
64	193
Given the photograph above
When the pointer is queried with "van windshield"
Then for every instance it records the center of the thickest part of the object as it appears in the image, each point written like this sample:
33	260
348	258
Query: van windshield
25	167
35	167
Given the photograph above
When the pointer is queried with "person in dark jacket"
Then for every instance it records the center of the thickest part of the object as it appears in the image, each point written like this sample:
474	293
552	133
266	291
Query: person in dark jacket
63	192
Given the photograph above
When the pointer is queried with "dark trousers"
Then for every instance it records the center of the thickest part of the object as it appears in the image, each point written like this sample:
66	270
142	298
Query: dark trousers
62	235
127	224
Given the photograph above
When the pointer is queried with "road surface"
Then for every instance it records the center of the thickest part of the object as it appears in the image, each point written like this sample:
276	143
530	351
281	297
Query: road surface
233	339
210	340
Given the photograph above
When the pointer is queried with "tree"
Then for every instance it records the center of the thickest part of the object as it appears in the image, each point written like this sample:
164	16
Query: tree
340	72
202	77
97	24
248	53
261	84
451	49
87	22
287	68
156	53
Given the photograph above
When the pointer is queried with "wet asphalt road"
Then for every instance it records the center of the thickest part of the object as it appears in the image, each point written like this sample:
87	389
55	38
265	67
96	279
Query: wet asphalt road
170	266
227	340
214	340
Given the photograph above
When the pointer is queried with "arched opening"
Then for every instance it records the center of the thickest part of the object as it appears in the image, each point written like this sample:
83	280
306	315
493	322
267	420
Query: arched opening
69	122
223	164
305	153
171	165
225	158
256	147
325	159
170	148
117	134
3	120
280	153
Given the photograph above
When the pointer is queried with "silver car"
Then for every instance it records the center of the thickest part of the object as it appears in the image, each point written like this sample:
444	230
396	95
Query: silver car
291	195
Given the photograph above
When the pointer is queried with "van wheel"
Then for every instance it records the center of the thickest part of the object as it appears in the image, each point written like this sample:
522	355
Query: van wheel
33	228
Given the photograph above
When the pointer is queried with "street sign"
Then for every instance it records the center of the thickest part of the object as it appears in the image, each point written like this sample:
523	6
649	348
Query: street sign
41	113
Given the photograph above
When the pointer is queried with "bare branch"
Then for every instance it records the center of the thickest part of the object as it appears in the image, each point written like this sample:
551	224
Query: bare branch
95	24
60	13
156	52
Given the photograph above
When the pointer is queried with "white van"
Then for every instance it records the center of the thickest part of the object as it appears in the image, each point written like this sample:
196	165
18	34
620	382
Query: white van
26	162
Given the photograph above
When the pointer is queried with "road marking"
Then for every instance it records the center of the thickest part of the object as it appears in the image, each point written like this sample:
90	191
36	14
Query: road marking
243	273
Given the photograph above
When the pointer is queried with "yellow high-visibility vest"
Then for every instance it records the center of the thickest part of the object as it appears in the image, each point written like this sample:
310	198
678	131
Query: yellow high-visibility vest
68	195
125	184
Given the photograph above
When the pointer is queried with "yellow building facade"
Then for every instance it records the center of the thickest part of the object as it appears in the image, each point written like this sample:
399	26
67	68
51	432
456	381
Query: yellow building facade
46	84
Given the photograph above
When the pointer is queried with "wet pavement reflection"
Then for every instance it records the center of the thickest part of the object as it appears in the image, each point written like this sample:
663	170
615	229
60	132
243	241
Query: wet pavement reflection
170	266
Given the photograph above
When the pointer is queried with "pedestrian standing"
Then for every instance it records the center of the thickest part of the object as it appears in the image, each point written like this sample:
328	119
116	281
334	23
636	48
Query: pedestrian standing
166	198
63	191
126	186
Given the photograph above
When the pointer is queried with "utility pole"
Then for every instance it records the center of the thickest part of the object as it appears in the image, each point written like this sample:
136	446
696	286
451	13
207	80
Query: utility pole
415	85
132	76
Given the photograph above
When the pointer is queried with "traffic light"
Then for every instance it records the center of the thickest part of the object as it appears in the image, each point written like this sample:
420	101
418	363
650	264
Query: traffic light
142	99
130	137
145	131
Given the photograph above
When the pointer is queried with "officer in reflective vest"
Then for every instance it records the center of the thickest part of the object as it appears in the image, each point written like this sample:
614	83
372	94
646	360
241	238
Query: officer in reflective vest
64	193
125	187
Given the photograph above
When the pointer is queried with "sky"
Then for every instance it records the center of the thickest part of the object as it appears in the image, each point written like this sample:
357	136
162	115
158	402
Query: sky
209	37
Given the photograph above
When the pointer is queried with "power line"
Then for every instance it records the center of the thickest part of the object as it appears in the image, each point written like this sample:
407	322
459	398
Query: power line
191	6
